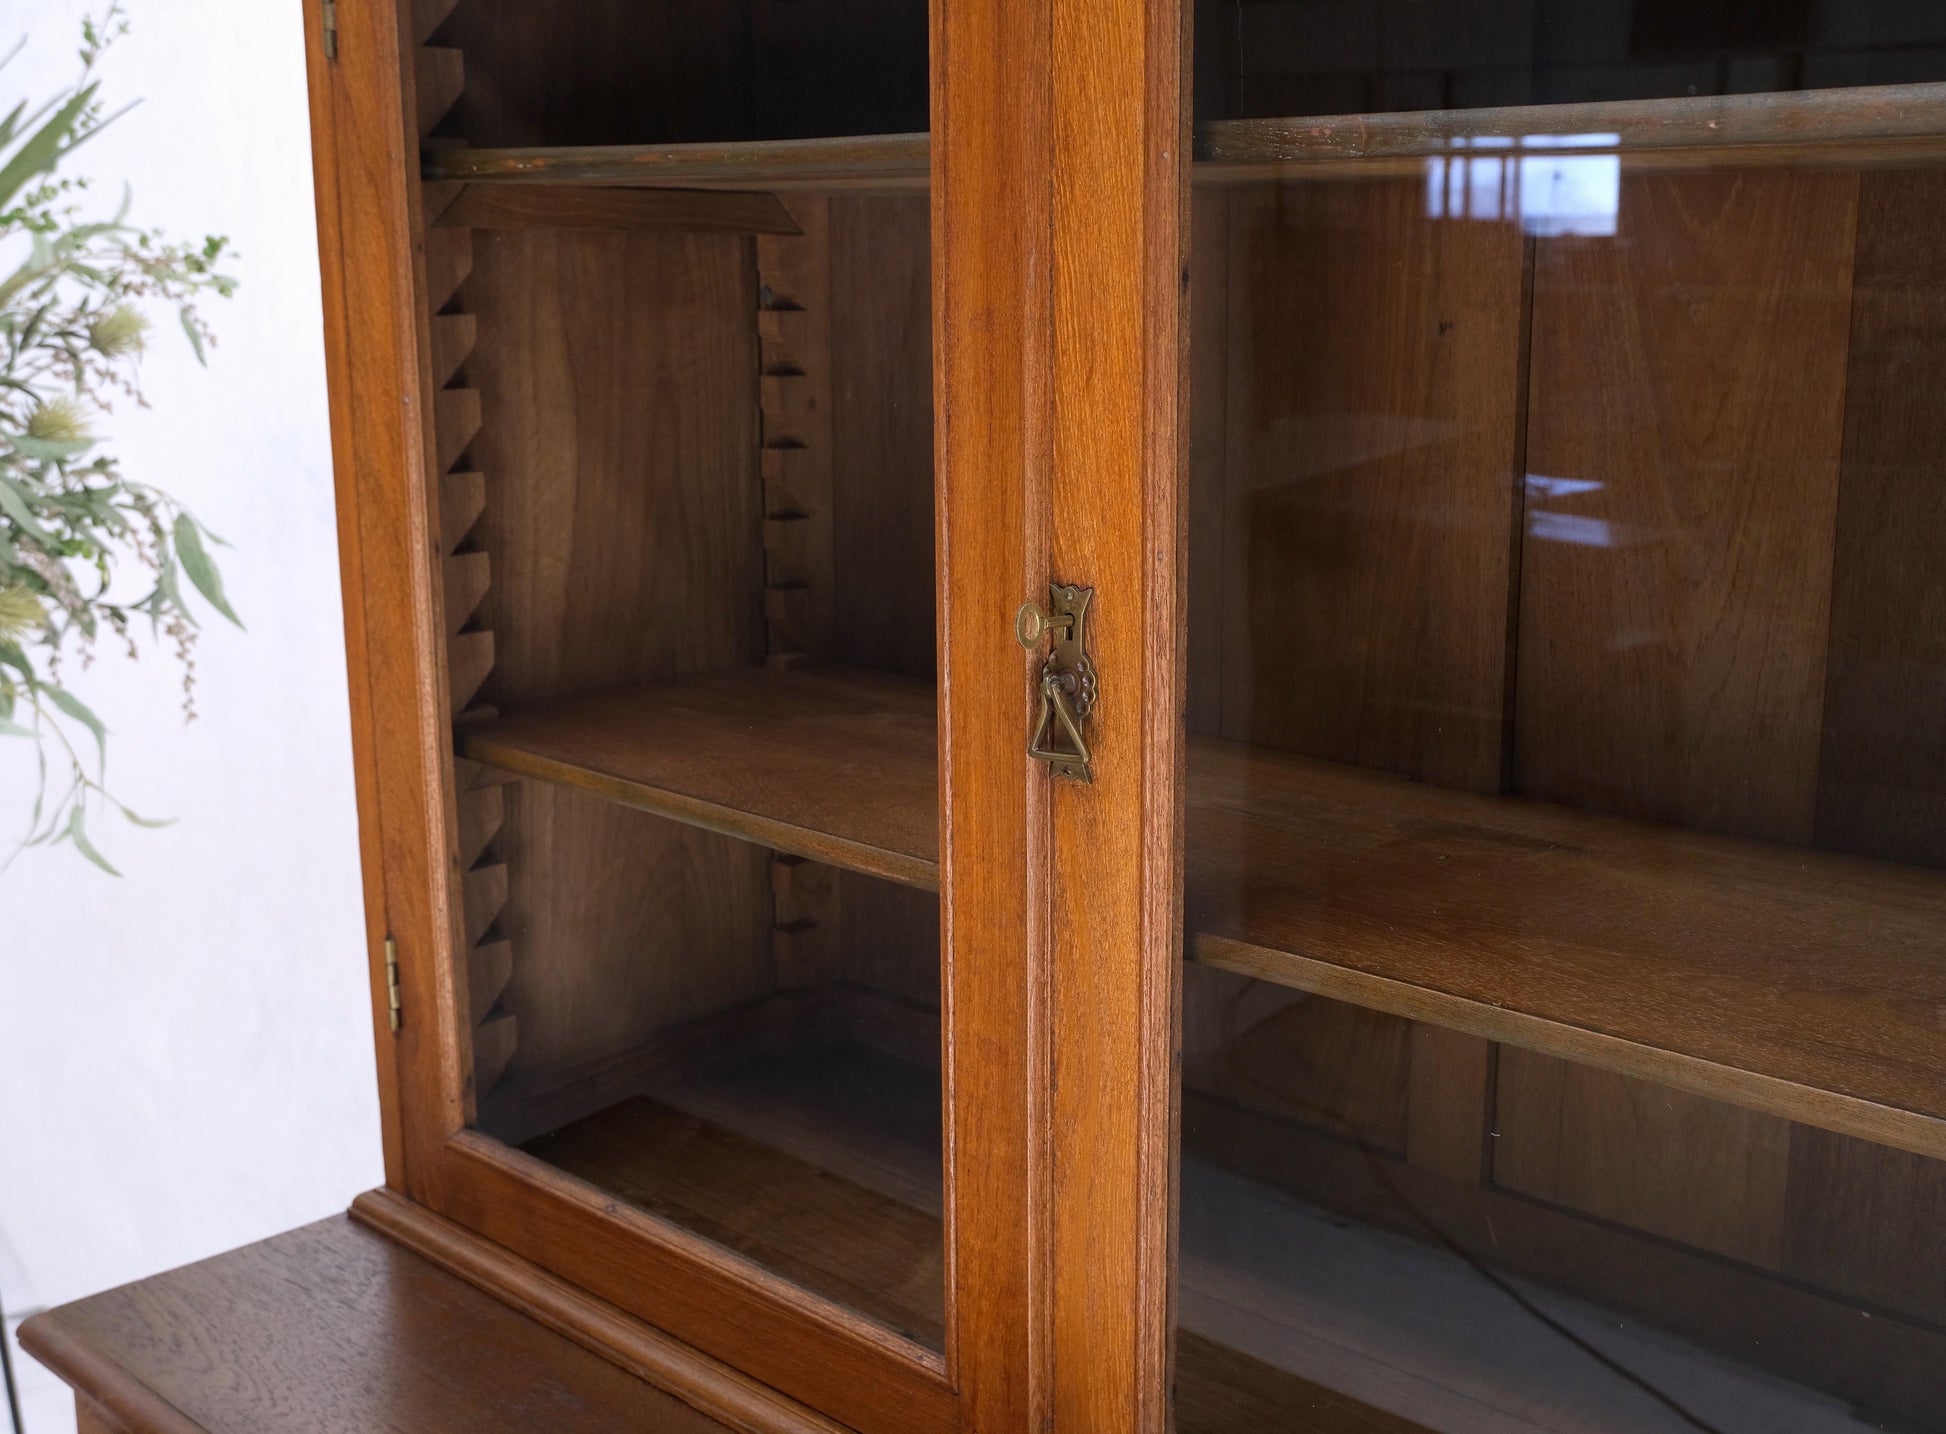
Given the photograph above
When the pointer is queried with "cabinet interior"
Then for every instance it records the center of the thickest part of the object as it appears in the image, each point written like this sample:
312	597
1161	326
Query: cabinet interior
678	318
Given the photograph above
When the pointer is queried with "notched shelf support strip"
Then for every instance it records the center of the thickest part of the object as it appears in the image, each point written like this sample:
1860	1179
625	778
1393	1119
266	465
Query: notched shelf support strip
466	574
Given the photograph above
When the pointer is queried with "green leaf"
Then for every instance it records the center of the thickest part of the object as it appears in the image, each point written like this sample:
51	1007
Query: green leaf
195	338
78	710
47	450
141	821
42	150
202	572
77	832
14	729
13	504
10	126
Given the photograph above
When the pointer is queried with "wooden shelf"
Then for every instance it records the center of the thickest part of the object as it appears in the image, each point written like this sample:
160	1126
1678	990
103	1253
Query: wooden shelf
754	1163
1807	985
834	763
888	163
1882	124
1862	125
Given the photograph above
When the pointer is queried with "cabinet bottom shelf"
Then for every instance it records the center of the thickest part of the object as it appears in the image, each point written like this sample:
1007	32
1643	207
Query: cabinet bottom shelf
1795	982
823	1166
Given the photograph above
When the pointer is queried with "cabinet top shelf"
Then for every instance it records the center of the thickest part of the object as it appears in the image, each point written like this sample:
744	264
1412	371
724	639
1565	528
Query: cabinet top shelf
1882	124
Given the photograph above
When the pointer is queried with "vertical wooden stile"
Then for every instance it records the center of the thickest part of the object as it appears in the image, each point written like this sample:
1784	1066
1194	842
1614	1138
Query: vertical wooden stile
991	196
1116	498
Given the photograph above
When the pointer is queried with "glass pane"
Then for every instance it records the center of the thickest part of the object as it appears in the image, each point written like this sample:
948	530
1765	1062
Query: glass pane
1321	57
687	506
1564	1005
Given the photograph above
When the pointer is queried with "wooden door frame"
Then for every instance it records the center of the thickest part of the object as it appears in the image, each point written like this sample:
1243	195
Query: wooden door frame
1060	205
1058	223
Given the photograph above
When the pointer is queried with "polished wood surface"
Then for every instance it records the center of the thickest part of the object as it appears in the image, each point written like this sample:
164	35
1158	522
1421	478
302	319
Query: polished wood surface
1684	437
877	163
1882	770
991	91
1788	981
403	283
836	764
1889	125
1612	942
1367	576
1900	123
875	1254
333	1329
1219	1391
1118	146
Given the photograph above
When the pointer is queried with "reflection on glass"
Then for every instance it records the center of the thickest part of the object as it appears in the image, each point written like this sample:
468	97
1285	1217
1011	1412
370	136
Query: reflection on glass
1565	924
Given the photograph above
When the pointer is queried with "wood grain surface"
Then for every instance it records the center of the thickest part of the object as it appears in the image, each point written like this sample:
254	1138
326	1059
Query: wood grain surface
561	206
1790	981
837	764
1684	438
1702	1173
1372	453
879	163
333	1329
991	193
1882	774
1796	983
875	1254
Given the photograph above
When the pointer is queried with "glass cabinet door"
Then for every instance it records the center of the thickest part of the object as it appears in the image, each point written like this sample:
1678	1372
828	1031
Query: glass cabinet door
1564	955
677	295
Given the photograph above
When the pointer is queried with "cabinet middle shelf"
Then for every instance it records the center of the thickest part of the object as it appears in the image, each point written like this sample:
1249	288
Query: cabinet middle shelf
1809	985
837	764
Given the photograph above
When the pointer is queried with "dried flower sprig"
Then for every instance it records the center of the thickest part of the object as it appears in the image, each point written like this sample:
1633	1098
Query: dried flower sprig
73	327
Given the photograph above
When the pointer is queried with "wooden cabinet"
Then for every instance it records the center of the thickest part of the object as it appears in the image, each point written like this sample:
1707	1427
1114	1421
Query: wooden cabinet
1477	959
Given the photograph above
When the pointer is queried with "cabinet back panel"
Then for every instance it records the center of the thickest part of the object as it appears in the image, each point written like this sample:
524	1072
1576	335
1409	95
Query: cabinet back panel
1687	418
1363	479
625	926
881	426
666	72
617	373
1882	778
1317	57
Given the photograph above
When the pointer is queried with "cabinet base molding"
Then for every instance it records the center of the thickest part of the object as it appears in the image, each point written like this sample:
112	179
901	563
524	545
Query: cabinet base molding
704	1383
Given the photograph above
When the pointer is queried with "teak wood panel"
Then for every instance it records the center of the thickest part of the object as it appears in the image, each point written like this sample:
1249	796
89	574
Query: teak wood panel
882	435
616	375
1685	436
831	763
396	351
379	1338
1701	1173
1882	777
1116	492
1373	400
1622	1148
620	455
1617	943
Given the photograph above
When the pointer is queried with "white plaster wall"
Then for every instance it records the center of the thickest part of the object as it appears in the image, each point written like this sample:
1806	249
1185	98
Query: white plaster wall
185	1054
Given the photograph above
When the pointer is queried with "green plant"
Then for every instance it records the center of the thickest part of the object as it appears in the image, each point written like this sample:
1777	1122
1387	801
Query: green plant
74	530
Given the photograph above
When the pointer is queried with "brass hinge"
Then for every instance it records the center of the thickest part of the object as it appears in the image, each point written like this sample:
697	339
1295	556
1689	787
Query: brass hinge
331	53
392	1003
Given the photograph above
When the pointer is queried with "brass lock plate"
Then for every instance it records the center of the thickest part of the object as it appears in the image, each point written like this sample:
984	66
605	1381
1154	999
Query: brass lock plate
1069	686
